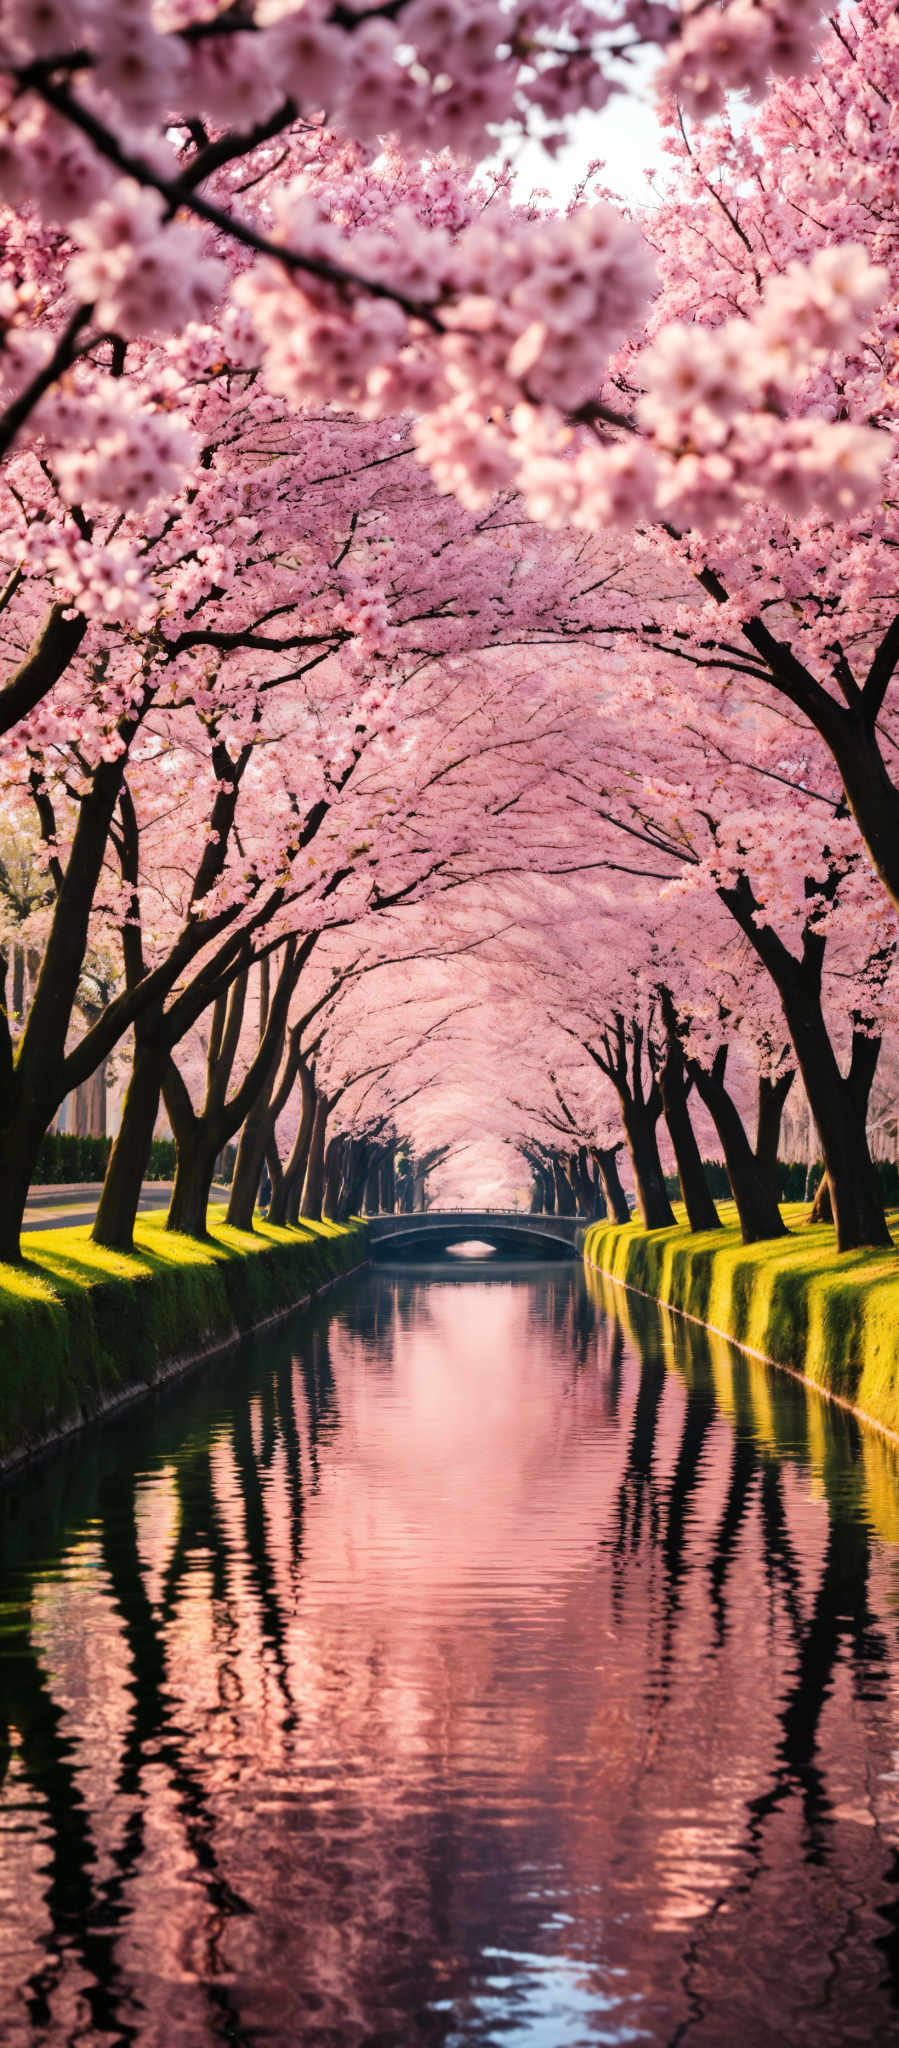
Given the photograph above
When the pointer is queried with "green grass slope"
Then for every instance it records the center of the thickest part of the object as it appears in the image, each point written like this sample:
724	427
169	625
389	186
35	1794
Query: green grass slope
81	1328
795	1300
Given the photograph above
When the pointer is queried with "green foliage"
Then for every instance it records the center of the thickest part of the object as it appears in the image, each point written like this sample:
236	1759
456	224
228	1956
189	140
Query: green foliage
796	1300
791	1180
64	1158
163	1159
82	1327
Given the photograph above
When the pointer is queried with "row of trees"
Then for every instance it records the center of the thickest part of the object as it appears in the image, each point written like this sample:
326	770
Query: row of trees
450	657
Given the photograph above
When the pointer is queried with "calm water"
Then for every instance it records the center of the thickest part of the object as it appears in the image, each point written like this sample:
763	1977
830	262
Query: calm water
477	1660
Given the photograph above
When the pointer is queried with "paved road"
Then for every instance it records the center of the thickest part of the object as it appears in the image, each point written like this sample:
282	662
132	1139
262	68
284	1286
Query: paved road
61	1208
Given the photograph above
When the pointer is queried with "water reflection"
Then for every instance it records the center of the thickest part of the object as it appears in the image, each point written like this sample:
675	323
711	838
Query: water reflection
488	1658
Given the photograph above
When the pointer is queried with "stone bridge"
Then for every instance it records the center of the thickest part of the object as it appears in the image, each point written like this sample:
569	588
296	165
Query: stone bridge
506	1230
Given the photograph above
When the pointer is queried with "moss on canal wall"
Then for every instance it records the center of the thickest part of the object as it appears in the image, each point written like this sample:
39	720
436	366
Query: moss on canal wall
795	1301
83	1330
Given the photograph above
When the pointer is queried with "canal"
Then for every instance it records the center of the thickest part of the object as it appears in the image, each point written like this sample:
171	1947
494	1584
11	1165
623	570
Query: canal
482	1657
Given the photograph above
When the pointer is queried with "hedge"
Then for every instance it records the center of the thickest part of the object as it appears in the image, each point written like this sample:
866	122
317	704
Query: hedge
66	1158
796	1301
82	1328
792	1178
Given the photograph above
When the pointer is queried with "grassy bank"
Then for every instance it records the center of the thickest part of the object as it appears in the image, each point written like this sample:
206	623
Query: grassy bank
81	1329
796	1300
783	1418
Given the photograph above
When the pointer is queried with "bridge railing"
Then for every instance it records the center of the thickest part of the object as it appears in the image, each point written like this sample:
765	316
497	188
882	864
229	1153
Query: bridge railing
520	1221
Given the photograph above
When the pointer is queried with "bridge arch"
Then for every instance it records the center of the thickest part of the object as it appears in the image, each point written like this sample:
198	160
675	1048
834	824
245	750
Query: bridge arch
544	1236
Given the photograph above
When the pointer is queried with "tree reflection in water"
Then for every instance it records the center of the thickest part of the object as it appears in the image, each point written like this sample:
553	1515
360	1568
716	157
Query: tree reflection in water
479	1658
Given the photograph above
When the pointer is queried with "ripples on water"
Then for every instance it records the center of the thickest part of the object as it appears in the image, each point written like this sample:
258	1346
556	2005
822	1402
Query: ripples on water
477	1660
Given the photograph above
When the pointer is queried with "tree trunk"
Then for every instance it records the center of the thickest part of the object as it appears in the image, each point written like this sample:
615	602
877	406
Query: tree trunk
835	1101
255	1139
855	1194
314	1183
639	1119
672	1077
620	1057
355	1175
600	1207
606	1157
335	1162
583	1185
772	1096
276	1176
200	1135
388	1183
17	1159
821	1210
372	1185
194	1175
750	1184
127	1163
285	1204
566	1204
34	1084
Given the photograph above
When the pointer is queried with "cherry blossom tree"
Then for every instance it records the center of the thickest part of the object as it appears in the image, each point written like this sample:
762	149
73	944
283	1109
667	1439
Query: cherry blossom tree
176	160
792	600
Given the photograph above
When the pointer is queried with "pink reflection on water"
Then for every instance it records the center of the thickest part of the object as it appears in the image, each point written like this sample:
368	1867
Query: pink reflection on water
474	1670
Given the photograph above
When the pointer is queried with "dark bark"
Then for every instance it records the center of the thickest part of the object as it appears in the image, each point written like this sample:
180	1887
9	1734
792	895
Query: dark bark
640	1111
193	1184
32	1087
48	657
673	1086
18	983
388	1182
751	1185
314	1181
372	1184
276	1176
849	730
566	1201
405	1181
640	1120
355	1176
606	1161
200	1135
585	1193
873	796
285	1204
835	1099
252	1151
334	1167
127	1164
257	1139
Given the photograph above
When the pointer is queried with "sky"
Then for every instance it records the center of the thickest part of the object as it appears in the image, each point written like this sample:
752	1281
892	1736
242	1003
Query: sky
625	136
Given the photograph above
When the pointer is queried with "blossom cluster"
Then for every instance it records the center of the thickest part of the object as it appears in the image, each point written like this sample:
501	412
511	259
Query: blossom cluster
494	329
509	310
434	72
738	48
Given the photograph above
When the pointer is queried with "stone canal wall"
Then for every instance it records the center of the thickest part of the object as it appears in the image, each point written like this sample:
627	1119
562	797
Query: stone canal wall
83	1331
833	1318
